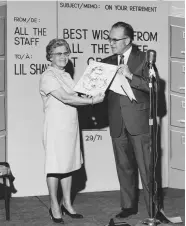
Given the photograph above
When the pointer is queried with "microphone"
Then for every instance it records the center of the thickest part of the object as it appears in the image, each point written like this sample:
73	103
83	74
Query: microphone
151	58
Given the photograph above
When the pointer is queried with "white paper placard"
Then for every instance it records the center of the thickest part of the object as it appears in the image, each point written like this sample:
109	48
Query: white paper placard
96	78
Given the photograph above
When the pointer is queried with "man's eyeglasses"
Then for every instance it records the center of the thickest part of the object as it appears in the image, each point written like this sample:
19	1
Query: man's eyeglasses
66	54
114	40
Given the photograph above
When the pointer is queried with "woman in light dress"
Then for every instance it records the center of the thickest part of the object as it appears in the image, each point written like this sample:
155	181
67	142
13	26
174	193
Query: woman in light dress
61	129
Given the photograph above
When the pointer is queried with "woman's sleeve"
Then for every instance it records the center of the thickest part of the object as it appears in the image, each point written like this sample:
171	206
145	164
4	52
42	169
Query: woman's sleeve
48	83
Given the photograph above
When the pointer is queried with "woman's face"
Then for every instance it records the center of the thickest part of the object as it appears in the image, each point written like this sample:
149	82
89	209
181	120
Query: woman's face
59	57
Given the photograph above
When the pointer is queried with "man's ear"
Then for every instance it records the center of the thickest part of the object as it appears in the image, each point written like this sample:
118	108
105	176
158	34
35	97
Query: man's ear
127	41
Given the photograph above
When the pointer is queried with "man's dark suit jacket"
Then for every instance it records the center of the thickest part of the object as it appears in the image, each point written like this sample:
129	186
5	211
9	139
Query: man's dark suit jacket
135	114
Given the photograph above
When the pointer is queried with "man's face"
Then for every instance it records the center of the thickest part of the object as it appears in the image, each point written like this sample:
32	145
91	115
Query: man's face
118	46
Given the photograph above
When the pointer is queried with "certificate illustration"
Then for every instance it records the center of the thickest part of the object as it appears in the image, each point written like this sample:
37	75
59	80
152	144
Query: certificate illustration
96	78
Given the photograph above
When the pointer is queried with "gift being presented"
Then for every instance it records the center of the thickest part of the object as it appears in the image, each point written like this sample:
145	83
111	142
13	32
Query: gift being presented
99	76
96	78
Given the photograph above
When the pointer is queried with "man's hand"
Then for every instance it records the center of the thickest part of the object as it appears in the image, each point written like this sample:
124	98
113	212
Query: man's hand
98	98
124	70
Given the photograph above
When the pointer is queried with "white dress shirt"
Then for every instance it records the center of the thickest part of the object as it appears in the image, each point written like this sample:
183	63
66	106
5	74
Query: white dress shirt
116	84
126	56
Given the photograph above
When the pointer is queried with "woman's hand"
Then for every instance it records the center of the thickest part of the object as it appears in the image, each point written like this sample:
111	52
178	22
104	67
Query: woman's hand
86	96
73	93
98	98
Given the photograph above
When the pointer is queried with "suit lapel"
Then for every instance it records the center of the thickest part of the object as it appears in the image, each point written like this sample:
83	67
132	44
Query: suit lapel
114	59
132	61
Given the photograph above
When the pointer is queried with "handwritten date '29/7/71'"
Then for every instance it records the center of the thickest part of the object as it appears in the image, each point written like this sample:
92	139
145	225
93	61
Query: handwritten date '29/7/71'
93	138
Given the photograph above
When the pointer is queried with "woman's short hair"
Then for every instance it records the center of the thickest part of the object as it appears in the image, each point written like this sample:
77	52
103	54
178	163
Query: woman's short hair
54	43
128	29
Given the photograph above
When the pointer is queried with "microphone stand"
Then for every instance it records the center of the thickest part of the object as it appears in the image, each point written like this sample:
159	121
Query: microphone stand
152	130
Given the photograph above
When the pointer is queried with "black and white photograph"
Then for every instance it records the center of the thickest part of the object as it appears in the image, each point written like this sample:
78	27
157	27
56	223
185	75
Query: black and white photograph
92	113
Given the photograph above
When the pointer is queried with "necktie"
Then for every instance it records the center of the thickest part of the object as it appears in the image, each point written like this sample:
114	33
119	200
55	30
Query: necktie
121	59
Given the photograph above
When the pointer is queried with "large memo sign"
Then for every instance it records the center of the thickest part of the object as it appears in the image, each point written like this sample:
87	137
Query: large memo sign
85	26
